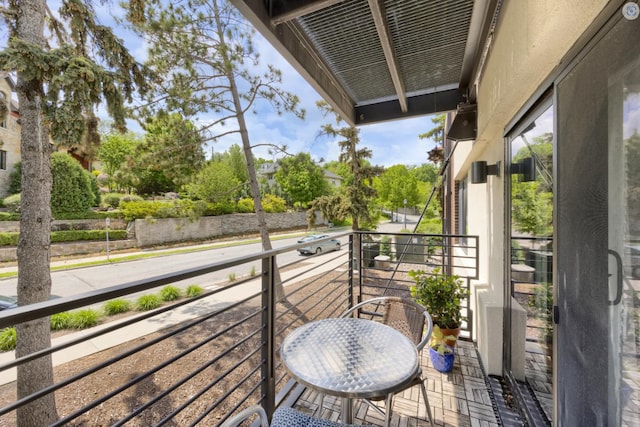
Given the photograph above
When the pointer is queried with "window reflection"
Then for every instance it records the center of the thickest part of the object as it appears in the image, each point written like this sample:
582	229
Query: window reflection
531	259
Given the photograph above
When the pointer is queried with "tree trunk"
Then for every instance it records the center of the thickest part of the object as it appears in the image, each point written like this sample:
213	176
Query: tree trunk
34	278
246	145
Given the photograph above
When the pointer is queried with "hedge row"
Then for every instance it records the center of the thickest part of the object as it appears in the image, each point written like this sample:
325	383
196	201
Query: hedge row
11	238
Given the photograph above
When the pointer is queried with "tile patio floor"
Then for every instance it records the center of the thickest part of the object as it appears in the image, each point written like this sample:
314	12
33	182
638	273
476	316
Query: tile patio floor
459	398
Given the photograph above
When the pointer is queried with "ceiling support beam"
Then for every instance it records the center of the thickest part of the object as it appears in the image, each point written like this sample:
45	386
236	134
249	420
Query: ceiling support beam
300	54
380	18
431	103
283	11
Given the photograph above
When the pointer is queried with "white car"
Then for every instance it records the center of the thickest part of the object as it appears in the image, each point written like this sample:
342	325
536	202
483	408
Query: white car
316	247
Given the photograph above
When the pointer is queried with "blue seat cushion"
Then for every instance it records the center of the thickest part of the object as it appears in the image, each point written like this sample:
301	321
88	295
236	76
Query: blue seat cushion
289	417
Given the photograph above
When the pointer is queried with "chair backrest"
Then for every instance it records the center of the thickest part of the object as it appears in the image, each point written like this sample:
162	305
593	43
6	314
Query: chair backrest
404	315
283	417
246	414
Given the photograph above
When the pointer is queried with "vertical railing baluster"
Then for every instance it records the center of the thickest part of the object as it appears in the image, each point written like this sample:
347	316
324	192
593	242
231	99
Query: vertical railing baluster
351	261
268	335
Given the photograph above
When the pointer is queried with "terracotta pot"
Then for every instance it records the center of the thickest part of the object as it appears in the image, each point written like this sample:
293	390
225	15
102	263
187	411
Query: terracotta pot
455	332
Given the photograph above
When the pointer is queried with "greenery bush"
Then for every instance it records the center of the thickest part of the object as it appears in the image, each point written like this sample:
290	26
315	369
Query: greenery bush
12	203
72	187
15	179
193	291
95	189
141	209
111	200
78	235
148	302
60	321
116	306
220	208
83	319
442	294
87	215
245	205
10	238
9	216
272	204
170	293
8	338
430	226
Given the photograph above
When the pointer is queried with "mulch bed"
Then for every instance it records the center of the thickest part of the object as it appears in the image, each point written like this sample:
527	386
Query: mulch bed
217	385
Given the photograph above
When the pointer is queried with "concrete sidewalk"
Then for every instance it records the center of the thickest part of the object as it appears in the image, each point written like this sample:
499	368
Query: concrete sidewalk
167	319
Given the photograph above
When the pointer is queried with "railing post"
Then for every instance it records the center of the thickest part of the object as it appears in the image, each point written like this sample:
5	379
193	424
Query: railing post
351	270
268	335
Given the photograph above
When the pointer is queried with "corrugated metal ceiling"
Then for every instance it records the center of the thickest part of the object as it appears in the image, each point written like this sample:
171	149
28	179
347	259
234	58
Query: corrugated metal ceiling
378	59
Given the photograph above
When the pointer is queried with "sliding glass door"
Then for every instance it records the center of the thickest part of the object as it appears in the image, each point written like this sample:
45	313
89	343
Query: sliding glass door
597	233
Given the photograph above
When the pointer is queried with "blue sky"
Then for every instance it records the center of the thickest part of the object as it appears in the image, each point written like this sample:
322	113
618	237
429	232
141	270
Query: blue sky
394	142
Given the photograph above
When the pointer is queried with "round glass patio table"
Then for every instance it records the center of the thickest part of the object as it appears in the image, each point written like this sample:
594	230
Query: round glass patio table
350	358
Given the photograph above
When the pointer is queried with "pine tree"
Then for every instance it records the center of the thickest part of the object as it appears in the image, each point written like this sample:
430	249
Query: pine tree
58	89
205	50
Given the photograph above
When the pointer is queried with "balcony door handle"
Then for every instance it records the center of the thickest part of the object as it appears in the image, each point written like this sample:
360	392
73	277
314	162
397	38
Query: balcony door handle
619	278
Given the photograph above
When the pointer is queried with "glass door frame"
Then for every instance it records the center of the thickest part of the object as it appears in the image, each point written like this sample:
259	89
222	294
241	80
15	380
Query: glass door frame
543	103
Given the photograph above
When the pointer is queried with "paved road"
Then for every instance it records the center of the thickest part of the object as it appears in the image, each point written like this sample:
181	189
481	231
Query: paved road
78	280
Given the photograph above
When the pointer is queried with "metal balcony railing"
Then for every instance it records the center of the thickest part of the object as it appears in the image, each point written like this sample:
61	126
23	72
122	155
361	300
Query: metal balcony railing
199	360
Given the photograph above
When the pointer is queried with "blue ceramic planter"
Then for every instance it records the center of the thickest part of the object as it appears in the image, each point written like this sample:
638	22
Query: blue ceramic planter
442	362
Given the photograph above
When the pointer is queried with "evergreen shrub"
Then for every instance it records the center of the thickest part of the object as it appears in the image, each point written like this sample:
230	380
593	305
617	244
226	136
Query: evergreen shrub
72	188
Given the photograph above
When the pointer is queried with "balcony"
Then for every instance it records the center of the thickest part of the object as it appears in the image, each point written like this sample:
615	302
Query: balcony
198	361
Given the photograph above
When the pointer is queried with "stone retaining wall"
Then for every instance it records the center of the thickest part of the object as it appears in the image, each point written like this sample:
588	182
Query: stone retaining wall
173	230
143	233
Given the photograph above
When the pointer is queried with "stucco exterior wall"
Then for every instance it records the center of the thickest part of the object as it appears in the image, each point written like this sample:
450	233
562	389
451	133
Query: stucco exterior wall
9	140
530	41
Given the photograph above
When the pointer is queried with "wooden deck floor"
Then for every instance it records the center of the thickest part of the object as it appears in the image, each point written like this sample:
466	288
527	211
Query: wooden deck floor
459	398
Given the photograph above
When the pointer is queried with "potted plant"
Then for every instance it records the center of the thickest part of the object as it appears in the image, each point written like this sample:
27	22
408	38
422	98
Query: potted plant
441	353
442	295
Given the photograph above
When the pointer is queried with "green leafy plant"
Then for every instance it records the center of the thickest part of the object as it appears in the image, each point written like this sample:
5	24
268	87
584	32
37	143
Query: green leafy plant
116	306
170	293
231	277
8	339
10	238
148	302
442	294
12	202
440	341
71	190
111	199
84	319
253	271
60	321
193	291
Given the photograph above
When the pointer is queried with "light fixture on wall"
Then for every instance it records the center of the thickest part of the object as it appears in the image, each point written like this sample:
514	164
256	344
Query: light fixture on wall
526	168
480	170
464	126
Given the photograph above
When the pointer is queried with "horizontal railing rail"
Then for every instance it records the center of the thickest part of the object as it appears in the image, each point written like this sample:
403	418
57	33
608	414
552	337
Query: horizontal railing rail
198	360
387	258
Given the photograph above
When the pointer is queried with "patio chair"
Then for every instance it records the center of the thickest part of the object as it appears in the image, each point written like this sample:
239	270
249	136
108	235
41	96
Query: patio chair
414	321
282	417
